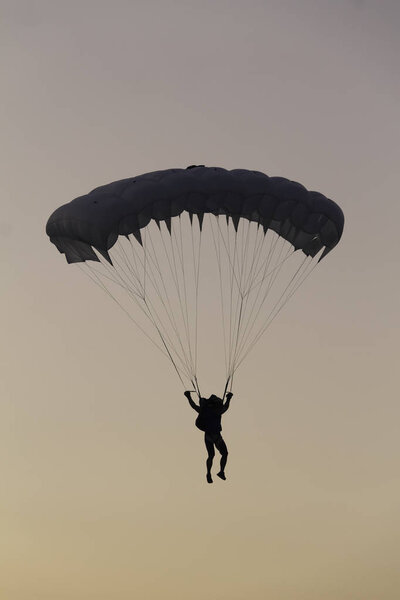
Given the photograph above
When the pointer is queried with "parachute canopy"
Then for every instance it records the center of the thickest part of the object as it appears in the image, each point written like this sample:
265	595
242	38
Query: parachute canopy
255	223
308	220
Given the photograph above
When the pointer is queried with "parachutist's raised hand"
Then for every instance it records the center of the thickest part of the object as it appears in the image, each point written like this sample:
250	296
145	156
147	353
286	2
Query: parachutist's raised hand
229	395
192	404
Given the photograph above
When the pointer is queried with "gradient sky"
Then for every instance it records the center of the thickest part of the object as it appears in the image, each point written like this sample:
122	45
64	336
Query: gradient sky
103	488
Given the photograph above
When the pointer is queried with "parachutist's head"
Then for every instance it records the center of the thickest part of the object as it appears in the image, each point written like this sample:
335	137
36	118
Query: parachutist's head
213	399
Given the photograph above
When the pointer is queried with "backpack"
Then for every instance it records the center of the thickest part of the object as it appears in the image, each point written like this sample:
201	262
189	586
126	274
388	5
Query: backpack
200	424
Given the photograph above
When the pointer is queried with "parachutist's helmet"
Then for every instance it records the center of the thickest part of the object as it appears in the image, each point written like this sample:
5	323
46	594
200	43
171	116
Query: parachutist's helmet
215	399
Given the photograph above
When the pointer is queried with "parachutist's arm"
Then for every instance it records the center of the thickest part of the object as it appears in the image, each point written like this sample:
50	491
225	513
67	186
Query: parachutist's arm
227	402
192	404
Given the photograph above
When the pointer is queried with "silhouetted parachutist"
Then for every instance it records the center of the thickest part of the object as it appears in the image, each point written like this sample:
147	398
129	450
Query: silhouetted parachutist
210	411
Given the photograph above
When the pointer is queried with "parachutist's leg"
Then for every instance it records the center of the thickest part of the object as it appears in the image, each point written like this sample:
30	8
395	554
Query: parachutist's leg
223	450
211	453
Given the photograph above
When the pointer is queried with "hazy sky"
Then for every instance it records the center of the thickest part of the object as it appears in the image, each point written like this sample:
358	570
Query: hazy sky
104	493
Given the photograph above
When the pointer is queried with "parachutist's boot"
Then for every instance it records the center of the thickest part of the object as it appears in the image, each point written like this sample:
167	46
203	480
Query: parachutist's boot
209	478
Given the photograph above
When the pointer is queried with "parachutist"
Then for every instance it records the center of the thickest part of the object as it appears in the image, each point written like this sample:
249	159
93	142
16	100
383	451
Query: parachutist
210	411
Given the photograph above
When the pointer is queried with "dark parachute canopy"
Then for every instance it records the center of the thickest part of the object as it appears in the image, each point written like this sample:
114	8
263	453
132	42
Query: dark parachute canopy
255	223
308	220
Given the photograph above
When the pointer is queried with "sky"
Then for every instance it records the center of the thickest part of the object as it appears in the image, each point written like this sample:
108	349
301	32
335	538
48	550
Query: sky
103	472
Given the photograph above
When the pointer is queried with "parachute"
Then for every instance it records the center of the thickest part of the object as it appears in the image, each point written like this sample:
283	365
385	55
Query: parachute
181	247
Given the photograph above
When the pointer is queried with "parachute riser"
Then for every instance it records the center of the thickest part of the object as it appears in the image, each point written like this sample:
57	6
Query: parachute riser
196	386
226	387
